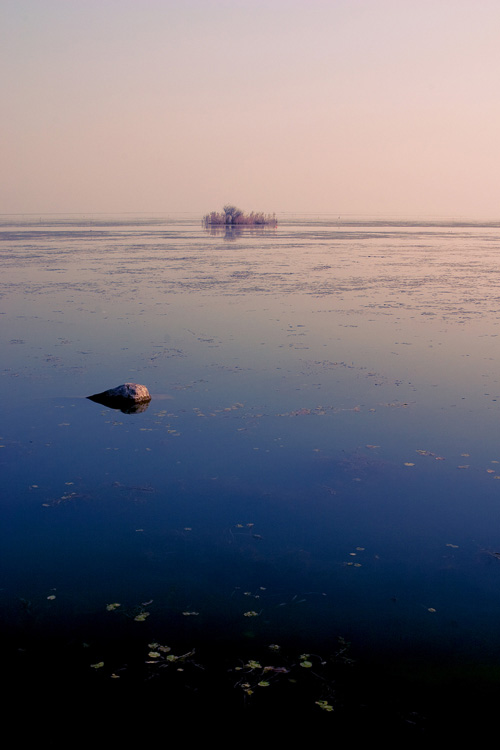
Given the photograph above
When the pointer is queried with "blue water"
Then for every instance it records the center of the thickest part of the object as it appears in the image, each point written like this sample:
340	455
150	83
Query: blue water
321	451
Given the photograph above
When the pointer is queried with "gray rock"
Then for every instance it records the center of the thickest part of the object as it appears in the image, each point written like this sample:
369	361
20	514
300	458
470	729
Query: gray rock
128	397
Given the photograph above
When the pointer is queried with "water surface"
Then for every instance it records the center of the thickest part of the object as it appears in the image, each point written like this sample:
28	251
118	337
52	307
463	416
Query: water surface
319	464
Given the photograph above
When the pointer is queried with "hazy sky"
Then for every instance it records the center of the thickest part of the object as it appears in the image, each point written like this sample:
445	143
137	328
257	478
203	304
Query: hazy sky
338	106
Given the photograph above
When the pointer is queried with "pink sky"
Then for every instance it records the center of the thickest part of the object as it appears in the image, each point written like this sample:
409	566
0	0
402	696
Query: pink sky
341	106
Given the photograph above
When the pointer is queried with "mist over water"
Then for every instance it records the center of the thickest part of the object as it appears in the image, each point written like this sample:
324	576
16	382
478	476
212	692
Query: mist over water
319	461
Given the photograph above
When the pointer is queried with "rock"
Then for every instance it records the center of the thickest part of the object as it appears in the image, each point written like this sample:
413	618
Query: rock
130	391
129	397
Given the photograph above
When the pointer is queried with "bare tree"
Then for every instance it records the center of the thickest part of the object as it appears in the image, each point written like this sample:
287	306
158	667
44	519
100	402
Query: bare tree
232	213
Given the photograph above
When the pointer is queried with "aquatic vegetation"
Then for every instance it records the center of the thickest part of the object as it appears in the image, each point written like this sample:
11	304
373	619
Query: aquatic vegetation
161	658
163	649
235	216
320	676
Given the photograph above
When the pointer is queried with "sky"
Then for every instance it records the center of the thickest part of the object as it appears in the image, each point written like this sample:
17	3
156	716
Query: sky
367	107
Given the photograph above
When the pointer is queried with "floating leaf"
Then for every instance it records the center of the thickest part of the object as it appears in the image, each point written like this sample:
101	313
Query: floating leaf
251	613
111	607
431	609
141	617
254	664
154	654
98	665
264	683
51	597
306	664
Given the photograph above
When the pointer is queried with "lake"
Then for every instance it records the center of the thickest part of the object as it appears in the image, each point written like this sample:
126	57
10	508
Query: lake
305	520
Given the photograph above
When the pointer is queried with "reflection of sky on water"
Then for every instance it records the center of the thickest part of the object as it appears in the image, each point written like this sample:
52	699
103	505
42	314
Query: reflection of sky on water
295	377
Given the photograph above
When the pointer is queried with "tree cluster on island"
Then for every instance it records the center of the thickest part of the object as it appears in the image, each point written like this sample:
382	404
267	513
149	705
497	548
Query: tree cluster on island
235	216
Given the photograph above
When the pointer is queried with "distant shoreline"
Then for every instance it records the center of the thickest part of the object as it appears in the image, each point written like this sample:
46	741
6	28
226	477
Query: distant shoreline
283	219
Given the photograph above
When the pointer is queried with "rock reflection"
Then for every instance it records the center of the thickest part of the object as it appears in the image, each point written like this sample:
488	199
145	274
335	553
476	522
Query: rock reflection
123	405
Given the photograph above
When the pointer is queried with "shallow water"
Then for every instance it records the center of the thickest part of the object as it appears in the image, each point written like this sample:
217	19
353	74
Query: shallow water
321	451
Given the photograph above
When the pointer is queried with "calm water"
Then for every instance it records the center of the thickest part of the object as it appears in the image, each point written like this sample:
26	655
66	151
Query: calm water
318	469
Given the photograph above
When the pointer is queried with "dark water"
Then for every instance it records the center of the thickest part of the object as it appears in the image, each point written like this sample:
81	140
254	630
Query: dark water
318	471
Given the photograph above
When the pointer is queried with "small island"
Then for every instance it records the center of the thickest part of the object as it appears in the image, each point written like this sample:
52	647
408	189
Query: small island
231	215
